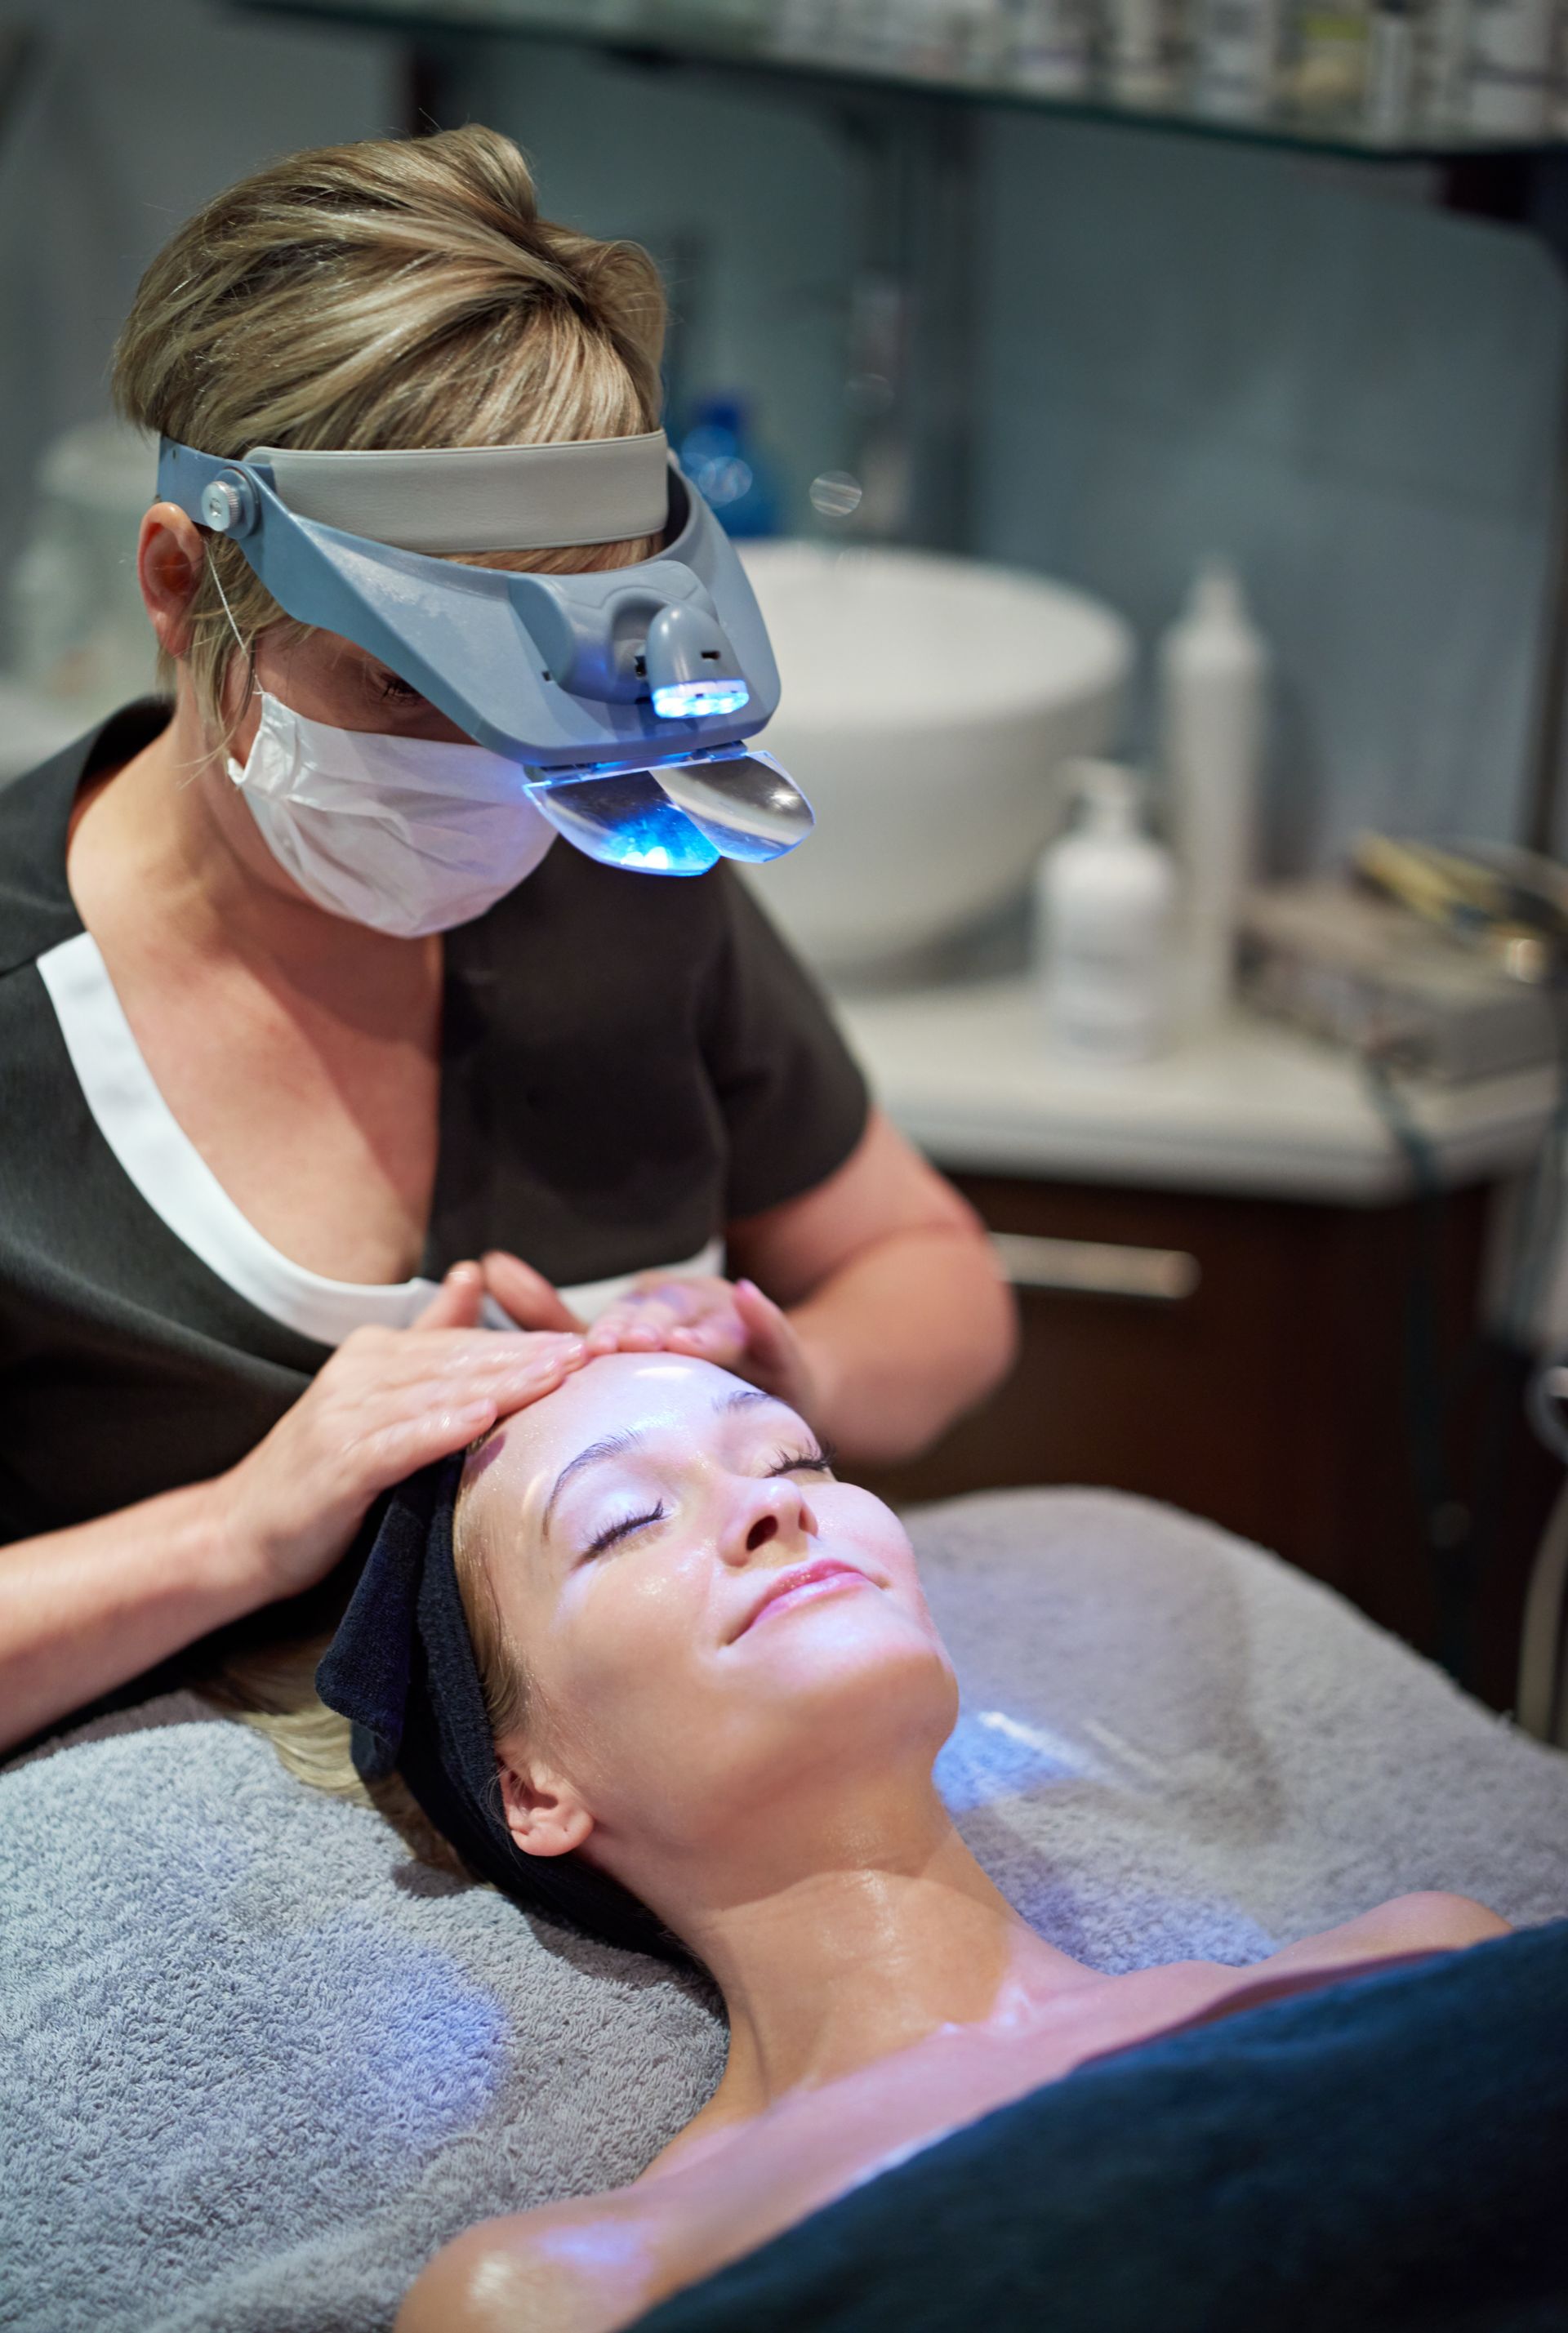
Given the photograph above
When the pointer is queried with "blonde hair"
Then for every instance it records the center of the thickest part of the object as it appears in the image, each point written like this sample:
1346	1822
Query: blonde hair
397	292
502	1673
273	1690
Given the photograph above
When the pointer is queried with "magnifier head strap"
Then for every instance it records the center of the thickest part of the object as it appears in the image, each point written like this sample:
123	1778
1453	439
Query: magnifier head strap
457	498
631	675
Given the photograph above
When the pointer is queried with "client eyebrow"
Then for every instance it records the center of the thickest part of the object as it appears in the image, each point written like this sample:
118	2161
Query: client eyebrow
615	1445
612	1446
743	1397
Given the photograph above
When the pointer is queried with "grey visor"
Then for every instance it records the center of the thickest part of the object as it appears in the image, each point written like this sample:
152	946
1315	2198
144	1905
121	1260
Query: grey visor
625	694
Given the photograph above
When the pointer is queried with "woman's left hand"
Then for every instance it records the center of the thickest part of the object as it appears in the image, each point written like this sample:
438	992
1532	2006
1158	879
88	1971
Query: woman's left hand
898	1315
730	1323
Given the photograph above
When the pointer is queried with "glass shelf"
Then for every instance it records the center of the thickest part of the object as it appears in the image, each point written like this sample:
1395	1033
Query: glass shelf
757	37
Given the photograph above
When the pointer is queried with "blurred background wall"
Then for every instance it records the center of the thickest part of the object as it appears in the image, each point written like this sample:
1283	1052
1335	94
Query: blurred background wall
1174	349
126	115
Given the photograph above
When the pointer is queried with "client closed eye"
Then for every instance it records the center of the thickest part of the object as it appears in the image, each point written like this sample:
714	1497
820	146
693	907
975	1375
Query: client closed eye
785	1462
624	1527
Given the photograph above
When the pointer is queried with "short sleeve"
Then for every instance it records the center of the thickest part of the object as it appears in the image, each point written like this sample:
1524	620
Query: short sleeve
792	1095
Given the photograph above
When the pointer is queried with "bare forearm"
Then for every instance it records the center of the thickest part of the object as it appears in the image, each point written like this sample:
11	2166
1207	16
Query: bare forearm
904	1337
83	1610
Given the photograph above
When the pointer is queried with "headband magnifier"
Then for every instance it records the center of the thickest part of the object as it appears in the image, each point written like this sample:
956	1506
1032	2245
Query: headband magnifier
625	694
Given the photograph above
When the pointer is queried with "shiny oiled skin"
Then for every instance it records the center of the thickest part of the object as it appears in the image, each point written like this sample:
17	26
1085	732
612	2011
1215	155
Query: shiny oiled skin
715	2194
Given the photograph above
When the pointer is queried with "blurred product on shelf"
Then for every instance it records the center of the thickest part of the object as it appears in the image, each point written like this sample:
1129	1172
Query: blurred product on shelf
1214	667
1145	50
1236	57
1442	52
1377	69
1508	66
1052	49
1326	69
1390	91
1368	974
1501	902
1103	898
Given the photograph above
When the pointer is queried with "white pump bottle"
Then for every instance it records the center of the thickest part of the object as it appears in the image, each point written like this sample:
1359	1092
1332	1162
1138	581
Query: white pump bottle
1103	898
1213	681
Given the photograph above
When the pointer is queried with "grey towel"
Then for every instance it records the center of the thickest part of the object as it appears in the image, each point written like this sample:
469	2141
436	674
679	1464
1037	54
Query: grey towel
255	2064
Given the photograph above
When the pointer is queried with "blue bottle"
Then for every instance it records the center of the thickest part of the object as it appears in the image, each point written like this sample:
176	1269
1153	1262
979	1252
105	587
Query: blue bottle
725	465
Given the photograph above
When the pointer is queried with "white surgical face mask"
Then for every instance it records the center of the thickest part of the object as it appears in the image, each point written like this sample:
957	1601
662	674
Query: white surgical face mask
401	835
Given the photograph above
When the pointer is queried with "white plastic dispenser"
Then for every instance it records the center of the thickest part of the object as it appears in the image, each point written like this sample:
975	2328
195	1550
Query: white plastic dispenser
1214	685
1103	902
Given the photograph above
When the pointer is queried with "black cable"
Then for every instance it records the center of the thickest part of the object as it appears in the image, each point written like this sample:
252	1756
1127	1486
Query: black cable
1446	1522
1541	1396
1460	1535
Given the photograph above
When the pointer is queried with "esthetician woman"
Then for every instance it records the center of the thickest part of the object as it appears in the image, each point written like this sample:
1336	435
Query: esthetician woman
321	1056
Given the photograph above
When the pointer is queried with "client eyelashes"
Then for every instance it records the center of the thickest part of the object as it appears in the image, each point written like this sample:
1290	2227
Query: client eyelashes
628	1523
790	1462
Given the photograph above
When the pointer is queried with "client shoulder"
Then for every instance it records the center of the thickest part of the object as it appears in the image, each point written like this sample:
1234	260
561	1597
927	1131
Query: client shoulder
584	2267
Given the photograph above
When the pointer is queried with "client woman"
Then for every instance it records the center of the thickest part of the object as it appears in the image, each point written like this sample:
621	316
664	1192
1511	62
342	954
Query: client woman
647	1663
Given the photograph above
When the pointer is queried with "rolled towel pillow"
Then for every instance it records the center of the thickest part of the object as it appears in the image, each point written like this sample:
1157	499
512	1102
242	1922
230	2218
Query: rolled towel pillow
402	1669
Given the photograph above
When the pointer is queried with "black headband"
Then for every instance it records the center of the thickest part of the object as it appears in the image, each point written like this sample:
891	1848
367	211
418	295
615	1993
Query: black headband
402	1669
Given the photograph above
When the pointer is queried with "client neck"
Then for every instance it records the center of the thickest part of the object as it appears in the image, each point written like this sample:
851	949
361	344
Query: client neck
837	1942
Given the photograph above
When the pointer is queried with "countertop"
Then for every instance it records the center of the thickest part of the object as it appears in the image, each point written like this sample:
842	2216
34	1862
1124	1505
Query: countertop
1248	1107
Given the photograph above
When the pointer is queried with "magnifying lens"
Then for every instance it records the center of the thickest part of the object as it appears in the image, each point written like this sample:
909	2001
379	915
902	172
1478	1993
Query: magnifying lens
628	694
678	818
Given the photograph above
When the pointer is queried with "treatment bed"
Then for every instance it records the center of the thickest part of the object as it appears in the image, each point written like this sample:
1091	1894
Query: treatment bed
258	2063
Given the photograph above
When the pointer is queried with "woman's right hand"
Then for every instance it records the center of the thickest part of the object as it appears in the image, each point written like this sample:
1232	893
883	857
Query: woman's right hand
386	1403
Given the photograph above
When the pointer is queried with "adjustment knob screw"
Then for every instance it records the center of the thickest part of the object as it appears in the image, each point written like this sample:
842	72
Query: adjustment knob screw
228	504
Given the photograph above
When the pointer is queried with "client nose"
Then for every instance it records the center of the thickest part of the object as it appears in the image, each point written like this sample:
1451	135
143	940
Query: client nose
780	1515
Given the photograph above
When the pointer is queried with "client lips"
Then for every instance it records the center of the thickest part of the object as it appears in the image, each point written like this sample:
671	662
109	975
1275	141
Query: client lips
800	1575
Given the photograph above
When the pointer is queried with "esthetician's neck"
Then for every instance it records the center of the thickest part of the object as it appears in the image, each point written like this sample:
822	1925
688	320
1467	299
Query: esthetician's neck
170	842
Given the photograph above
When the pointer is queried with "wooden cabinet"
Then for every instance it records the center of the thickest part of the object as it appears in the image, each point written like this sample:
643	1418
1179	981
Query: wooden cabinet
1316	1387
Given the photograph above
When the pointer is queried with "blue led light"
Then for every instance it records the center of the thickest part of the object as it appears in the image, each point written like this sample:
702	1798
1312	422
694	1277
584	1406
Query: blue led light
685	700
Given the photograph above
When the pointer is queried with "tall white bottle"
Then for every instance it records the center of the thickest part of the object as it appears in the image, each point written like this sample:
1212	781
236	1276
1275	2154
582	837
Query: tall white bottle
1214	685
1103	898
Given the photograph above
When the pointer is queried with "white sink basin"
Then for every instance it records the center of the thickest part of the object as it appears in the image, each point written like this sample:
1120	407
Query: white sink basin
927	705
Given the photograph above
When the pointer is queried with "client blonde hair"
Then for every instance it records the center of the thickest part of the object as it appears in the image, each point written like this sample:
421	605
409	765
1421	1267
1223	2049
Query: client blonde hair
397	292
273	1689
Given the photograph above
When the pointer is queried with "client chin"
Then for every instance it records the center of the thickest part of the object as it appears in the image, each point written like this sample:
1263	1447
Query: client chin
653	1669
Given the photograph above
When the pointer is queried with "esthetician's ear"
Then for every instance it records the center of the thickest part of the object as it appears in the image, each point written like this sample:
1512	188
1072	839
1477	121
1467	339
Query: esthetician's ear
170	556
543	1813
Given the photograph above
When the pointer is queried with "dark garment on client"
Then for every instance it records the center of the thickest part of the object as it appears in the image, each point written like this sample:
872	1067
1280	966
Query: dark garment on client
1389	2155
628	1063
402	1669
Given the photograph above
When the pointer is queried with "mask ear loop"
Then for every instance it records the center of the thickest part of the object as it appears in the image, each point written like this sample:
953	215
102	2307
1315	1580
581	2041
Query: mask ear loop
248	654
